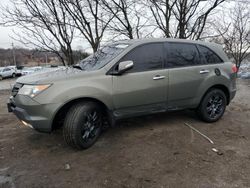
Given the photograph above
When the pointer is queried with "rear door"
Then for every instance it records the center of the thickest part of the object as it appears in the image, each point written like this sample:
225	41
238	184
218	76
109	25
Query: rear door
143	89
187	72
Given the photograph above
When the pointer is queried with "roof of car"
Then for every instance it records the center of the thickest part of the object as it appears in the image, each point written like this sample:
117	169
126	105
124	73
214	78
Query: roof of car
215	47
147	40
150	40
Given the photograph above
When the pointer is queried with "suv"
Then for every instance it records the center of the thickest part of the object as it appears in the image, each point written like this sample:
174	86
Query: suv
17	69
126	79
7	72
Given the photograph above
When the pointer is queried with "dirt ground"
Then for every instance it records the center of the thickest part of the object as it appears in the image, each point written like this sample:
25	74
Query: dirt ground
154	151
6	84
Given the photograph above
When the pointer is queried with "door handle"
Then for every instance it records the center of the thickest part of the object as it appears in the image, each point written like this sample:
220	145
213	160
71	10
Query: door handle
158	77
203	71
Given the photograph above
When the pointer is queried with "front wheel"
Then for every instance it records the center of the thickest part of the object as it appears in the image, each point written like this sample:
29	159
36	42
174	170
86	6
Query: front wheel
13	75
82	125
212	106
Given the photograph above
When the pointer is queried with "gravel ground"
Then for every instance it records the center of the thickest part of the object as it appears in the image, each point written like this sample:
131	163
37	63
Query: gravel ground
6	84
153	151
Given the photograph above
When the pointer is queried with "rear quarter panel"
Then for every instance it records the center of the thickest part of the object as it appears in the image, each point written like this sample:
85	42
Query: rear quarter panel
187	86
226	78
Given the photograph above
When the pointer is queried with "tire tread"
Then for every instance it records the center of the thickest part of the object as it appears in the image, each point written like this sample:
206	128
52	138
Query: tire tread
71	120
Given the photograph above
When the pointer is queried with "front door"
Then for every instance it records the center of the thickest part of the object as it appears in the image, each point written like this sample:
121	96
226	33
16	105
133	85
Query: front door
143	89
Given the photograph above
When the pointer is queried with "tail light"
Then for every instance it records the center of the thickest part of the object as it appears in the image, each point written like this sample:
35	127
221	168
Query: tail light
234	68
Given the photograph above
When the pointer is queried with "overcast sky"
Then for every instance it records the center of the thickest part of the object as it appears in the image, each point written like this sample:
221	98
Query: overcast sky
7	32
5	39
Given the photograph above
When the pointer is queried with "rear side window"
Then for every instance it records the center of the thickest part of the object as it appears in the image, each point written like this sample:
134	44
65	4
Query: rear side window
181	54
146	57
209	57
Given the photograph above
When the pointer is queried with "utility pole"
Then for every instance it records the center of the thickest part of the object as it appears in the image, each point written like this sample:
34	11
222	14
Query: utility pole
14	54
46	59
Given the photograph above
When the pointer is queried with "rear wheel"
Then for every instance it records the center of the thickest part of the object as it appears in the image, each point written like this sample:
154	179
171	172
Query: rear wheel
82	125
13	75
212	106
1	78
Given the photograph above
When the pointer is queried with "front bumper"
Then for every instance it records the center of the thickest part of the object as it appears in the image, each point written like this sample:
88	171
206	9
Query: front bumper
39	116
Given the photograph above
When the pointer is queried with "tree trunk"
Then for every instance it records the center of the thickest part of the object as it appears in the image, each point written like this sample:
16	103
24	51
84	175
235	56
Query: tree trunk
95	46
70	58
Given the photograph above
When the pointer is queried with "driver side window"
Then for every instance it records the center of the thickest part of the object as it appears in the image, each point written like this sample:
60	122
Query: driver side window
146	57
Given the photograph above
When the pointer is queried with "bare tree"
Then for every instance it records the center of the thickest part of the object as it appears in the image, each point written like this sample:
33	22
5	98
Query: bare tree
162	12
89	19
189	16
235	32
128	17
192	13
45	25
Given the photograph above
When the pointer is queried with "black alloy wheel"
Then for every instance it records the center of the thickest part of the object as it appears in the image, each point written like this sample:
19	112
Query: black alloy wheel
212	106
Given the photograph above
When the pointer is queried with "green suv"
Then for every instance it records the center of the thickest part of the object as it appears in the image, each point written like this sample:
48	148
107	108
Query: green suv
126	79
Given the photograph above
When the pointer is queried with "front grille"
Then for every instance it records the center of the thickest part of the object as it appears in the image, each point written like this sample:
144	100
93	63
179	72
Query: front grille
16	88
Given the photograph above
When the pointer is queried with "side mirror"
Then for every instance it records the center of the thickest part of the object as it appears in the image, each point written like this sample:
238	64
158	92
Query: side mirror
124	66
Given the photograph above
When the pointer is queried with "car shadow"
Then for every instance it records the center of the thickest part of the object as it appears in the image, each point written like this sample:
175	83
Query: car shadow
55	142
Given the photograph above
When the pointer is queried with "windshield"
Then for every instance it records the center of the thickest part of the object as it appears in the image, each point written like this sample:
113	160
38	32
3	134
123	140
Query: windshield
102	57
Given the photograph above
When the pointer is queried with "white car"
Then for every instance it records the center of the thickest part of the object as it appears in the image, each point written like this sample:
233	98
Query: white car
7	72
18	71
245	75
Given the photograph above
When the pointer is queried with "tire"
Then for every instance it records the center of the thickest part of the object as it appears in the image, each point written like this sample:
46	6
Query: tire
13	75
1	78
82	125
212	106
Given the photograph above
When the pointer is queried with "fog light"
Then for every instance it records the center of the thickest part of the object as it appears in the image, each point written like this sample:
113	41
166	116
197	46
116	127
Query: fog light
26	124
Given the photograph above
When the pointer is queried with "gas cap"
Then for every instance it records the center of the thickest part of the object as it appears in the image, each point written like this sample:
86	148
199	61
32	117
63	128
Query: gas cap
217	71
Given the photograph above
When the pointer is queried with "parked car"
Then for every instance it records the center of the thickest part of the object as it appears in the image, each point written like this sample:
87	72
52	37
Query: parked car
30	70
244	71
126	79
7	72
18	70
245	75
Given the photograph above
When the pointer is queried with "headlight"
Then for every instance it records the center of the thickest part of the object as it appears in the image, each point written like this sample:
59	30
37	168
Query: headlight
32	90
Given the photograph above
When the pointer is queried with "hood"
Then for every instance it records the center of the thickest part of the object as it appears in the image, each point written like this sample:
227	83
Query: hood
48	76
